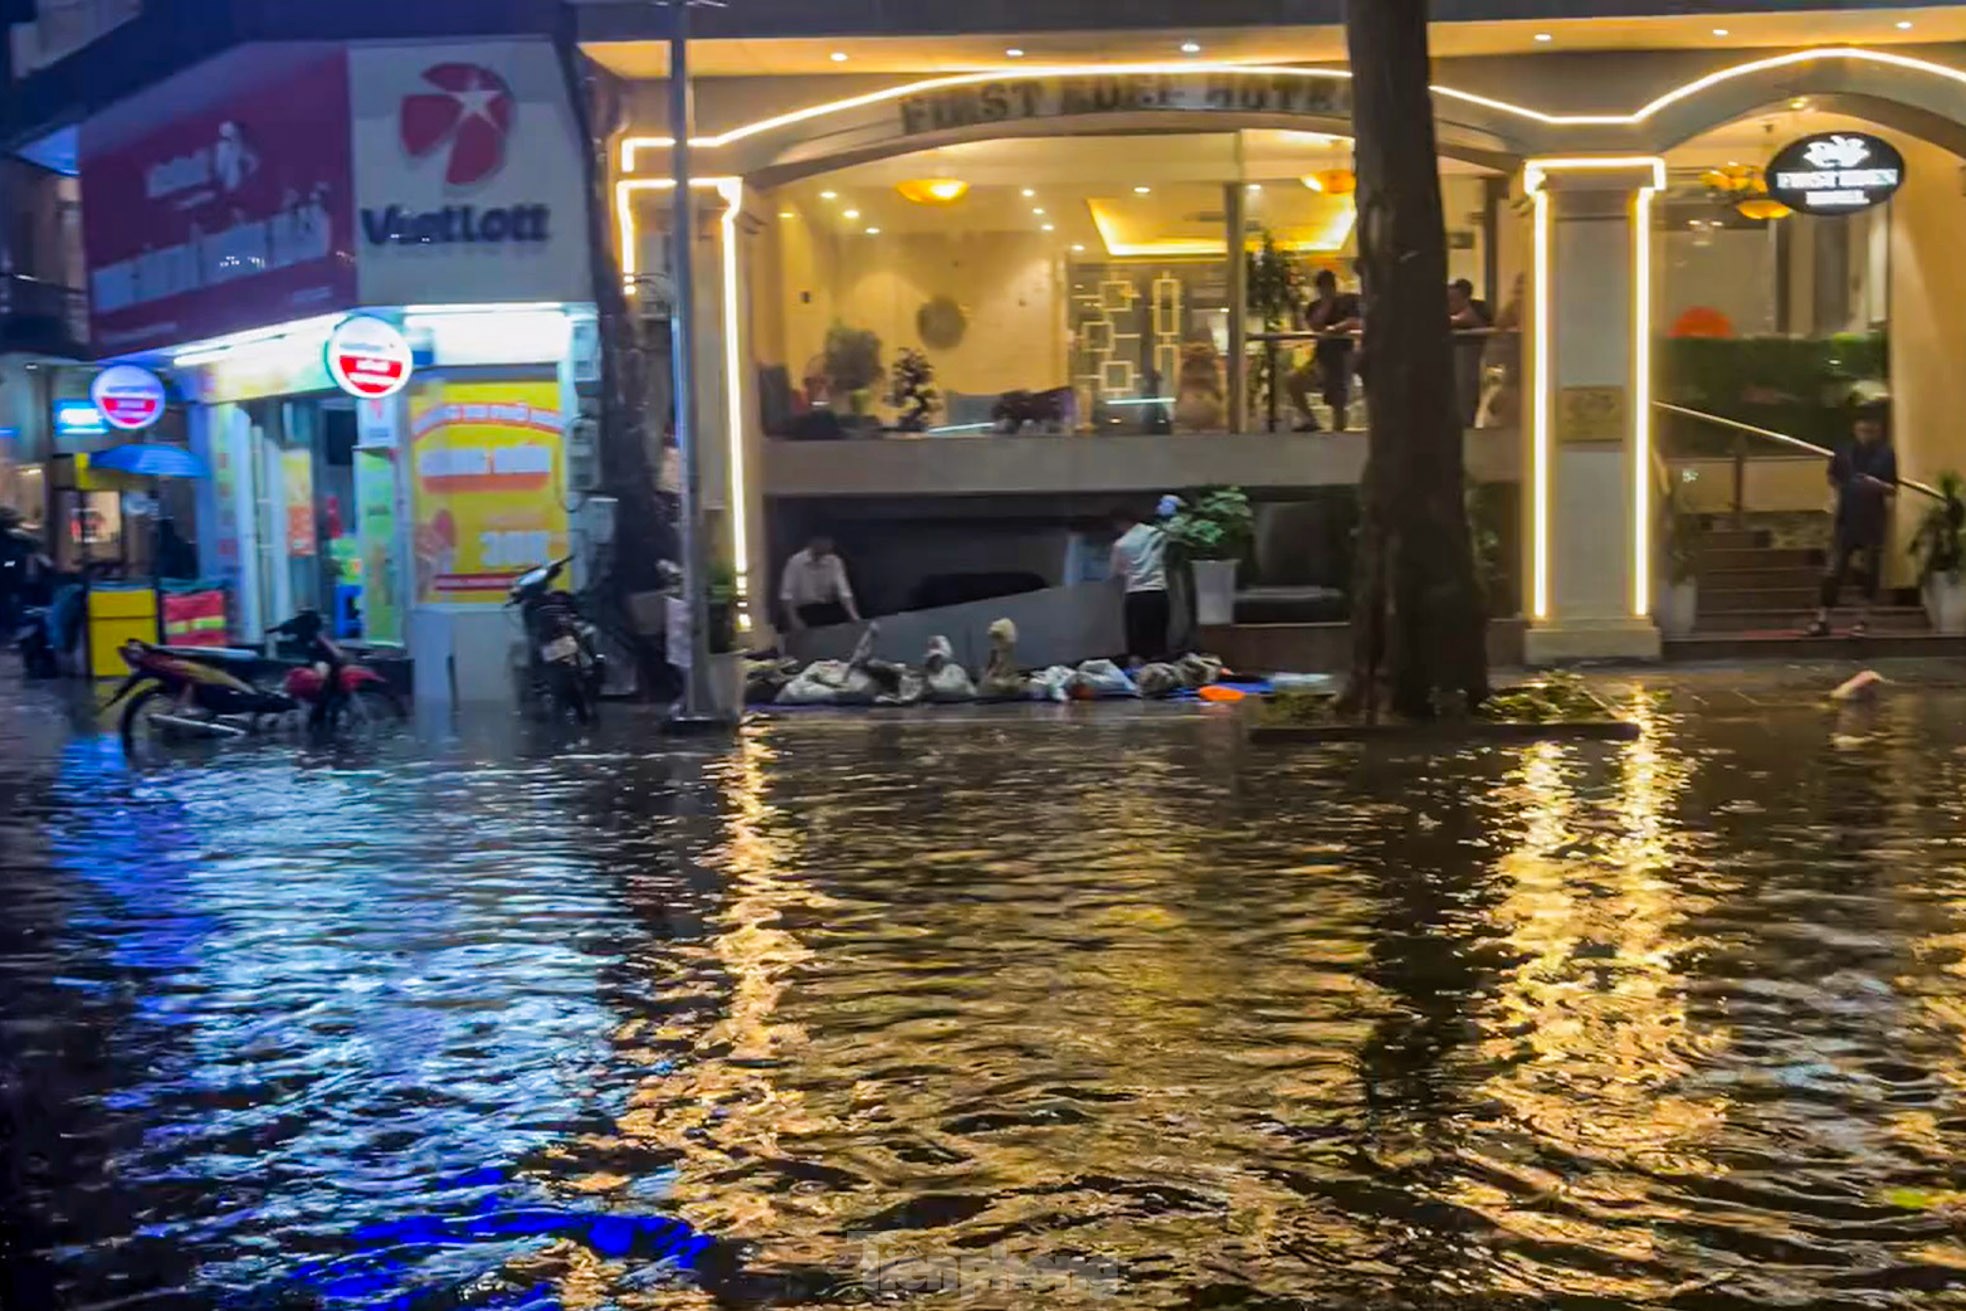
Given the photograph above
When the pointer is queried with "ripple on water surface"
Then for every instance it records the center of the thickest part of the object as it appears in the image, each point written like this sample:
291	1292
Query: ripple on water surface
1106	1011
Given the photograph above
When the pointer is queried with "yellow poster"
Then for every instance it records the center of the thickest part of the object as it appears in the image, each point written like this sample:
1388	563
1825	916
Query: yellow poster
486	477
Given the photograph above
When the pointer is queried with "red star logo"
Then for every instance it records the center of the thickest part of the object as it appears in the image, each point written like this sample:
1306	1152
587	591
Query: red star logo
470	111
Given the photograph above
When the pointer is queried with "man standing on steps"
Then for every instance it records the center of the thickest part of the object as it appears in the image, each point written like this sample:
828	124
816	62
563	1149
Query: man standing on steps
1864	473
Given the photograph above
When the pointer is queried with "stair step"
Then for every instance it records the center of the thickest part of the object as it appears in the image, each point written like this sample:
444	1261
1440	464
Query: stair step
1722	600
1735	539
1760	557
1775	646
1885	619
1781	576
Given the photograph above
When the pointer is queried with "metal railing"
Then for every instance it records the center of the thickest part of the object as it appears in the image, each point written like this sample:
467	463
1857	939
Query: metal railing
1740	455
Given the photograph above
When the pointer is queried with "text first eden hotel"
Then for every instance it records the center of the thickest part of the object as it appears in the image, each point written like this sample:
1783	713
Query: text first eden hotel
240	214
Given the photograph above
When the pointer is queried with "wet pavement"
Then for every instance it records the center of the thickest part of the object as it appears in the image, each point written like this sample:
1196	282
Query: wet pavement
1074	1007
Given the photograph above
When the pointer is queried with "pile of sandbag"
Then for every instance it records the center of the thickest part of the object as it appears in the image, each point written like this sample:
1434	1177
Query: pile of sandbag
863	680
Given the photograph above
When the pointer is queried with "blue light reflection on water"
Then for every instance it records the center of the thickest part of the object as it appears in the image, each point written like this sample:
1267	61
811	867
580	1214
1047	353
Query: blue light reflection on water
350	1031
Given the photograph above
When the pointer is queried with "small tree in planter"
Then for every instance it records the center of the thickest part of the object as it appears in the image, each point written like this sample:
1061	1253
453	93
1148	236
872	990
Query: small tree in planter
853	366
1676	608
914	392
1211	535
1940	545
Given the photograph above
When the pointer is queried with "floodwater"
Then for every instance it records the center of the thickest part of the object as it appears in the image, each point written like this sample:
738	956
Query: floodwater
1079	1008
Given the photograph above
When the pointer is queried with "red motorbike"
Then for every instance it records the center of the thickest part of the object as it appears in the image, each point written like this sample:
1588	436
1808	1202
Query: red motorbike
176	692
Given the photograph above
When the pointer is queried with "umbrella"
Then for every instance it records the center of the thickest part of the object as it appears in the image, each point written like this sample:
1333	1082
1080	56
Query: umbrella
150	460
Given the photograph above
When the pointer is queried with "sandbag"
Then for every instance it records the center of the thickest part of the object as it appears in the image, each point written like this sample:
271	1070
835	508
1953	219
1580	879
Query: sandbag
947	681
1157	680
1102	678
1001	681
1053	684
1198	670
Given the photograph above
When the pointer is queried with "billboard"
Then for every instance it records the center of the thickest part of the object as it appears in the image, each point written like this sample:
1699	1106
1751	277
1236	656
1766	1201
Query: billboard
220	202
486	476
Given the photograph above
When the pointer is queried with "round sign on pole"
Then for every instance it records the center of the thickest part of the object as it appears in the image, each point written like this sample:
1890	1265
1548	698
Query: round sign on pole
128	397
368	358
1836	173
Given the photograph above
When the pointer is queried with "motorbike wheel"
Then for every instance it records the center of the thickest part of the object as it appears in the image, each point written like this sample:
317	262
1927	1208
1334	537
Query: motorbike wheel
371	710
143	735
567	691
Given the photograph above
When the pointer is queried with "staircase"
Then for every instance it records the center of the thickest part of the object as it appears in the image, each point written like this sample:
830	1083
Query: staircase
1756	598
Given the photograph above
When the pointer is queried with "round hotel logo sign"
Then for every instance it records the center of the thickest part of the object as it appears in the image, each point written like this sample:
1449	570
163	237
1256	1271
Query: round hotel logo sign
128	397
1836	173
368	358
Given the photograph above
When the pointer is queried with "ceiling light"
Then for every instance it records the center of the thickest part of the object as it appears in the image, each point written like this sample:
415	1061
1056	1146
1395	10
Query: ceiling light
1028	193
1013	53
853	213
1050	227
933	191
1720	31
786	213
1254	186
1544	37
1077	249
1038	210
873	232
839	56
1143	191
1904	25
1800	102
829	195
1190	48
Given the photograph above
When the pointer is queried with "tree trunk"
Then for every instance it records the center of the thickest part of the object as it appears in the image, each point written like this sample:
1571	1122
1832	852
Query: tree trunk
645	526
1418	621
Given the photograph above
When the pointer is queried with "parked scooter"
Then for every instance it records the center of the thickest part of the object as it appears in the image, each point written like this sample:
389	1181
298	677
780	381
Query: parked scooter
564	670
187	692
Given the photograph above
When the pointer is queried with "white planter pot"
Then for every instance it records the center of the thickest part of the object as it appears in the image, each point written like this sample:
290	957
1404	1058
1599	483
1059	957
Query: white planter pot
1677	608
1215	592
1945	604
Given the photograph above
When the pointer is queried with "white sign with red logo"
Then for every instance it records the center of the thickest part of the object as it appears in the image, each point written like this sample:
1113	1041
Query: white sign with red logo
467	175
368	359
128	397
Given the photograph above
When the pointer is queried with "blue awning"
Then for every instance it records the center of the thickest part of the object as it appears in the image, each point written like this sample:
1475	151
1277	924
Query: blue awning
150	460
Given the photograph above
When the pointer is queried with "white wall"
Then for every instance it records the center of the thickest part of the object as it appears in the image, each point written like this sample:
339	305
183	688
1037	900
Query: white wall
1928	325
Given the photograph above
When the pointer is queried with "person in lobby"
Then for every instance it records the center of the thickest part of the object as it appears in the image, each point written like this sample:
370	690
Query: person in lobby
1336	315
1864	472
1468	315
1140	566
814	588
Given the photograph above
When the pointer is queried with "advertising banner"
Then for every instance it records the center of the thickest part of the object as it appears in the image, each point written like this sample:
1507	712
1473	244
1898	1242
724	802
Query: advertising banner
297	480
220	201
375	506
467	172
486	477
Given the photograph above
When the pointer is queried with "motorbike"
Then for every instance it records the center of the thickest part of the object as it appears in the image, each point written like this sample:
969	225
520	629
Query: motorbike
174	691
564	669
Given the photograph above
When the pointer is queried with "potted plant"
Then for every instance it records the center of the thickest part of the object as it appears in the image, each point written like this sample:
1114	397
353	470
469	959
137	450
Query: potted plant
1940	545
1676	608
913	392
853	366
1210	535
1276	288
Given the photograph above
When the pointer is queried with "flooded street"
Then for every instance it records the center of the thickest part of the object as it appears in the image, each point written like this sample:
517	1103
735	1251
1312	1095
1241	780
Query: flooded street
1086	1007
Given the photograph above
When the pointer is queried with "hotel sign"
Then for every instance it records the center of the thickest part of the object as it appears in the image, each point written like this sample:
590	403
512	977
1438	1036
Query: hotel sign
1014	100
1836	173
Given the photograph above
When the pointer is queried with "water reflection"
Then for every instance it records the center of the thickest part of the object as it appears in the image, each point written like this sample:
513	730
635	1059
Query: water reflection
1073	1010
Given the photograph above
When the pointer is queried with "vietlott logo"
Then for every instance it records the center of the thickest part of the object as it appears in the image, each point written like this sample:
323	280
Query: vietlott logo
465	114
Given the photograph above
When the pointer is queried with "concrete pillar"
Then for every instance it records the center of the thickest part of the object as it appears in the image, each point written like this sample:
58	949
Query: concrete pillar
1589	502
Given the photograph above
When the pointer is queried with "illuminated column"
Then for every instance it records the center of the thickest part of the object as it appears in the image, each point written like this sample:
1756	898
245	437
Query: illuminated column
1590	422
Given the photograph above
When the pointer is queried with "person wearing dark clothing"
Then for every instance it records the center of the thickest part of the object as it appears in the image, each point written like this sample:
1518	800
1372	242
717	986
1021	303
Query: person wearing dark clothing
1337	315
1865	475
1469	317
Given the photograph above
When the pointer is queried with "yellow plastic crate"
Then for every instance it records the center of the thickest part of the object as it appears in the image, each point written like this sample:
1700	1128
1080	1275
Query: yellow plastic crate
117	615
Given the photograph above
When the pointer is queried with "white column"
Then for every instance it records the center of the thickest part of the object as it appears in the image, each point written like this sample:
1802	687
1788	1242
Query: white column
1589	503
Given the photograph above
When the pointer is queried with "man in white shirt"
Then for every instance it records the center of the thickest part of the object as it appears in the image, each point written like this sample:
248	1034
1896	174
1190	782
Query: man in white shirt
815	589
1140	563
